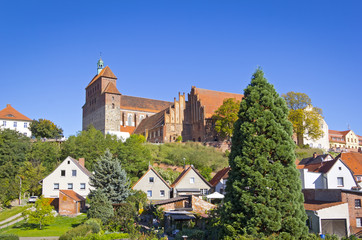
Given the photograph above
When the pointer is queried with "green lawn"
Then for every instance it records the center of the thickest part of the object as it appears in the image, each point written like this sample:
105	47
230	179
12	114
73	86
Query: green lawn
57	228
9	212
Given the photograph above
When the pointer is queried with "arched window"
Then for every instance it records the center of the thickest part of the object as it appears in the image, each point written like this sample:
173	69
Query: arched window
129	120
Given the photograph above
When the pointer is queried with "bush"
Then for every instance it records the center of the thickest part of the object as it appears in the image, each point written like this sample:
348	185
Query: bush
95	223
9	237
80	231
192	234
109	236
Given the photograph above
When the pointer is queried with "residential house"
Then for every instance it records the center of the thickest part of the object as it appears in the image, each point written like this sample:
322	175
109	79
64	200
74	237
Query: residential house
327	217
153	185
14	120
218	182
353	199
325	172
69	175
354	161
345	141
70	203
190	182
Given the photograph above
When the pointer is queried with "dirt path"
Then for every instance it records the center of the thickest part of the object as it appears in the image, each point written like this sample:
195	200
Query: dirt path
11	221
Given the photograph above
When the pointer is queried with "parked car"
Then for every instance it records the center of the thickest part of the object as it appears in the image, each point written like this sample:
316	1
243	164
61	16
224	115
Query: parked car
32	199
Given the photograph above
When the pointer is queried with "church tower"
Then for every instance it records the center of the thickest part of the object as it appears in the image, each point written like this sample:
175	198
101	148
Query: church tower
100	65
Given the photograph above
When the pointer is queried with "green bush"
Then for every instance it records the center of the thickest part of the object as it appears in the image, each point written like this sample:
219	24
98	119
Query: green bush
109	236
95	223
9	237
192	234
80	231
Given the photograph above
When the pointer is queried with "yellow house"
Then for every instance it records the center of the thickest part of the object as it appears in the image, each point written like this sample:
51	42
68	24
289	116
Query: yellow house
346	140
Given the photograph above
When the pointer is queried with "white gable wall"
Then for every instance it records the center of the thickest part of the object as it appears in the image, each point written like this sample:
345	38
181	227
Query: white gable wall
340	170
145	185
55	177
312	180
186	183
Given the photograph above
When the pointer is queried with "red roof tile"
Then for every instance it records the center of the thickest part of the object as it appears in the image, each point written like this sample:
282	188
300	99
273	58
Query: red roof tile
354	161
314	205
212	100
143	104
222	174
10	113
111	89
339	133
151	122
106	72
73	195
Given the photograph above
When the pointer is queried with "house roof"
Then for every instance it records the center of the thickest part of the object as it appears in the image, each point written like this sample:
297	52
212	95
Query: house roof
10	113
322	167
212	100
151	122
171	200
110	88
143	104
184	173
353	160
73	195
339	133
158	175
80	166
318	159
314	205
106	72
222	174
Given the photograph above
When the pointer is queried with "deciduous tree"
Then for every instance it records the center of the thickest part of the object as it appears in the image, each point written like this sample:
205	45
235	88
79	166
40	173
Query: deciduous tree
225	117
263	192
305	118
44	128
41	215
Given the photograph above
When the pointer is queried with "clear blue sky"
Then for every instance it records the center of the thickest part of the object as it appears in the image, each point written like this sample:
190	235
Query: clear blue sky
49	51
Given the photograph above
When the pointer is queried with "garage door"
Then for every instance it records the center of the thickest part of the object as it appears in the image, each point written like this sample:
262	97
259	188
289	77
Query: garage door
334	226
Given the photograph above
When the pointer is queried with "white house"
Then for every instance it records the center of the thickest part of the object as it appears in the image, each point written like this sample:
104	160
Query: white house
69	175
324	172
153	185
218	182
14	120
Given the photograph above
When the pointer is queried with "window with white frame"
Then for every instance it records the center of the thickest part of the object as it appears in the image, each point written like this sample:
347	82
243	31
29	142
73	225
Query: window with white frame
62	173
4	123
151	180
25	125
82	186
340	182
358	222
56	186
149	193
192	180
70	186
74	173
15	124
162	193
357	203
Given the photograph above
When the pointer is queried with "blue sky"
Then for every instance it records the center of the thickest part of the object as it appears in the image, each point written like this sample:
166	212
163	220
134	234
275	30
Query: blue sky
49	51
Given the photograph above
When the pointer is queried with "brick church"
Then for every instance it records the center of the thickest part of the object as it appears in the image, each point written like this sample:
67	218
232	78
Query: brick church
159	121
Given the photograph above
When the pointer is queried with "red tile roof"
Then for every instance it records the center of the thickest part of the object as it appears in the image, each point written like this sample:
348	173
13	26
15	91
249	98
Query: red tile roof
106	72
212	100
353	160
73	195
314	205
222	174
339	133
151	122
111	89
143	104
10	113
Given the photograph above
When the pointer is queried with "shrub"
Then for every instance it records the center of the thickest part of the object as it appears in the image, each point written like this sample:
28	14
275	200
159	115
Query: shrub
192	234
109	236
80	231
9	237
95	223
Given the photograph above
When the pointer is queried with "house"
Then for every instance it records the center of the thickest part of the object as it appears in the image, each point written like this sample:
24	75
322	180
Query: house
352	198
153	185
345	141
70	203
69	175
327	217
323	141
14	120
190	182
218	182
354	161
325	172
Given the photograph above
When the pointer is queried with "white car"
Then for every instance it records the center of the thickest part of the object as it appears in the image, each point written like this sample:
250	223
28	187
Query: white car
32	199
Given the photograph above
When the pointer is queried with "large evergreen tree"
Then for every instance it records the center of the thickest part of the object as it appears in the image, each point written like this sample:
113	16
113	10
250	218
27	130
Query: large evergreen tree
263	193
110	178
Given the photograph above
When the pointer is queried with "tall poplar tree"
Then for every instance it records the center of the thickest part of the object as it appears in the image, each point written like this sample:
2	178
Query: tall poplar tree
263	192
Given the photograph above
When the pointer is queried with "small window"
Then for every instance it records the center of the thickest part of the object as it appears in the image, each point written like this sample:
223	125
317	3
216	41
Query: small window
357	203
340	182
68	162
82	186
25	125
151	179
192	180
15	124
162	193
62	173
74	173
4	123
56	186
340	168
70	185
149	193
358	222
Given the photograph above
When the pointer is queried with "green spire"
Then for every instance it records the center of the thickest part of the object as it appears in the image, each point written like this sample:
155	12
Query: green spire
100	65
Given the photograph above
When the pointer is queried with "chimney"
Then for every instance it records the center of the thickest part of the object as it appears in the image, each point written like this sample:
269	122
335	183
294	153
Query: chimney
81	161
315	155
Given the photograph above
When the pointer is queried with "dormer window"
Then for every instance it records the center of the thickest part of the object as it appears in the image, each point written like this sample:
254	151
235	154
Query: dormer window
10	115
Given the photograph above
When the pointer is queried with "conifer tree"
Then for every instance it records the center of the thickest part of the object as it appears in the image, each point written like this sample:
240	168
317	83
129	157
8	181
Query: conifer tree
100	206
110	178
263	192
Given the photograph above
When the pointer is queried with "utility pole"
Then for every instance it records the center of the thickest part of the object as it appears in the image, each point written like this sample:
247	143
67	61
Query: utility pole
20	191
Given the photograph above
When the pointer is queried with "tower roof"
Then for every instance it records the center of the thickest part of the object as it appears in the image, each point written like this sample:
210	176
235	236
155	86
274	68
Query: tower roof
10	113
106	72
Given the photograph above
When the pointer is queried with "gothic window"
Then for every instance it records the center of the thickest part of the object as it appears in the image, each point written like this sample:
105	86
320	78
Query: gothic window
129	120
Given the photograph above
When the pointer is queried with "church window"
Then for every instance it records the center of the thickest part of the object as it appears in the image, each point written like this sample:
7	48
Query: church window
129	122
112	105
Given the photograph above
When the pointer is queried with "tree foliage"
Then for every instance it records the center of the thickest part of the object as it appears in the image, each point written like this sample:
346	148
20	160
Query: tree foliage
47	153
13	147
41	215
305	118
31	174
110	178
225	117
44	128
100	206
263	192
